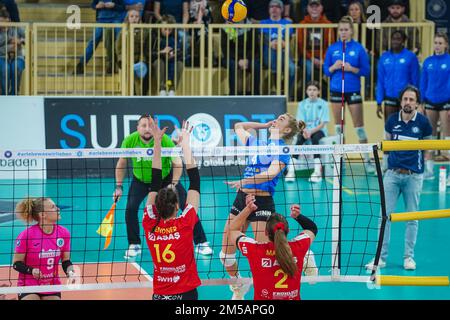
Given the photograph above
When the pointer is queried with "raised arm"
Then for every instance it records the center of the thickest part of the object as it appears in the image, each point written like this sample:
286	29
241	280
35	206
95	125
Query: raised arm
242	129
156	183
238	222
309	227
193	194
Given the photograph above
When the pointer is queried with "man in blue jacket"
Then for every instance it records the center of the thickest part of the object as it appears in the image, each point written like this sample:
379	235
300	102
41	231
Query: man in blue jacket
397	68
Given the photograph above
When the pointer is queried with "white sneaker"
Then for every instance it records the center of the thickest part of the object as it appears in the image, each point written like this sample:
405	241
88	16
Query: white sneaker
381	264
409	264
239	291
133	251
316	177
370	167
309	264
163	93
204	249
171	93
290	176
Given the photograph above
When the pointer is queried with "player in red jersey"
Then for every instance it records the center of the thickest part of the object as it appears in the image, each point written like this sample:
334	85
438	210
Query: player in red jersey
276	265
170	238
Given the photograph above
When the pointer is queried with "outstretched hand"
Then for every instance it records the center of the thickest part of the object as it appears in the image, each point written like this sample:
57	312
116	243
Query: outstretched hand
184	134
250	202
295	211
234	184
156	132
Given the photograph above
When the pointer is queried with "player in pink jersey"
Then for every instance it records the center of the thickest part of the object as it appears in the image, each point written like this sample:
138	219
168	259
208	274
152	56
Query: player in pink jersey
40	247
170	238
275	265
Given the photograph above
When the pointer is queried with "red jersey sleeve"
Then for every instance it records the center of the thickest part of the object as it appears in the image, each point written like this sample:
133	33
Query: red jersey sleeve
150	217
189	216
301	244
246	245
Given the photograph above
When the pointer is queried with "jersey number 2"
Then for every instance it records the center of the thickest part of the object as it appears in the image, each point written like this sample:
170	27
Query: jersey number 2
167	255
281	283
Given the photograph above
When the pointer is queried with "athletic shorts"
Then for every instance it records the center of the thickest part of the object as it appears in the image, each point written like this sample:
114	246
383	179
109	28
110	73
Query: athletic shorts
265	205
392	102
437	106
41	295
349	97
190	295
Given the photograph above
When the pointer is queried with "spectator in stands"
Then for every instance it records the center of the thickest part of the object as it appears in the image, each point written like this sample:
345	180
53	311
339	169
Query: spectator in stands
330	10
314	112
165	53
357	12
199	13
270	41
356	66
397	68
138	5
12	60
108	11
141	53
405	172
179	9
314	42
241	57
435	90
397	14
11	8
384	7
258	10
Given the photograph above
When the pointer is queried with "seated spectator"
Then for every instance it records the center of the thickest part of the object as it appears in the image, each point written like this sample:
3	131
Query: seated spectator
240	57
397	68
141	57
330	10
164	54
270	42
312	50
258	10
315	113
179	9
396	11
11	8
12	60
108	11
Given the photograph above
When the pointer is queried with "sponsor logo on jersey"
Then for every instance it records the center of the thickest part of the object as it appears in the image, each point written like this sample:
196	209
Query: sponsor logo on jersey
173	279
284	295
263	213
179	269
49	254
270	253
266	263
166	230
415	130
172	236
60	242
265	293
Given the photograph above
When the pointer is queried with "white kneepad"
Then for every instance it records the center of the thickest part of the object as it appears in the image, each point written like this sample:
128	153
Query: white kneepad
227	259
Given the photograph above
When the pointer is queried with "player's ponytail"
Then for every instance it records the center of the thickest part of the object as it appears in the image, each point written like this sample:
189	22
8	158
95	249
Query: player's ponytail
295	126
277	230
29	208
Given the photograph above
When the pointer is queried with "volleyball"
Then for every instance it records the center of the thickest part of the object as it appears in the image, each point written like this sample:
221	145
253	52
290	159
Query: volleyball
234	10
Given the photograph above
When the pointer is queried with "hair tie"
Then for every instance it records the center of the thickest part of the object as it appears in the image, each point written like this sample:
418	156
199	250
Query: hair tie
279	226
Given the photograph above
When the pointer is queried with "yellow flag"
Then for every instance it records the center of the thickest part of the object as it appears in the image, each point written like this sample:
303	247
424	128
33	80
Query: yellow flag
106	228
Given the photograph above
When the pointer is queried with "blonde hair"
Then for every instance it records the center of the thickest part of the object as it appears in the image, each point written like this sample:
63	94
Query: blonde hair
128	14
361	9
295	126
283	251
28	209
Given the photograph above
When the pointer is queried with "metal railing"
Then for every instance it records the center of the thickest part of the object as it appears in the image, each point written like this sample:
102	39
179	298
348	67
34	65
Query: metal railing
222	59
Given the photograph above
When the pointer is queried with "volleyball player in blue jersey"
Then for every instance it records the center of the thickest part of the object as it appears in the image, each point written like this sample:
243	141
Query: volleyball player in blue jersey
260	179
435	90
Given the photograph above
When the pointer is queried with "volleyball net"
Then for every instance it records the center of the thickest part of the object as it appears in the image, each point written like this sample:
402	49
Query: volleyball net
347	206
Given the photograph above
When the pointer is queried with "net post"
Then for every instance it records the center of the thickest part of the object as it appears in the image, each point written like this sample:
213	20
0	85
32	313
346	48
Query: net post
383	211
336	218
